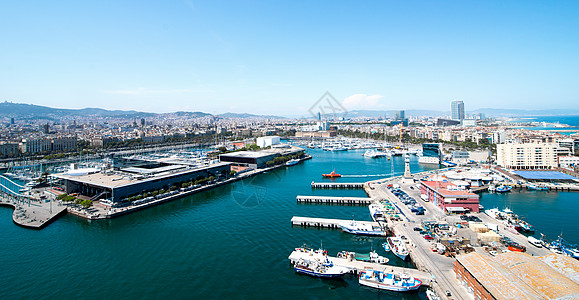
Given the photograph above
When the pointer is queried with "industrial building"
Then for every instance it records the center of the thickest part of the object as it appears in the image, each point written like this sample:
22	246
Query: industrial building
450	197
141	176
517	275
259	159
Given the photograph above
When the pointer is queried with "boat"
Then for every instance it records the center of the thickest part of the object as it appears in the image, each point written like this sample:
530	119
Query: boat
431	295
369	257
389	281
358	228
397	246
371	154
535	242
319	268
292	162
332	174
536	187
525	227
503	189
386	247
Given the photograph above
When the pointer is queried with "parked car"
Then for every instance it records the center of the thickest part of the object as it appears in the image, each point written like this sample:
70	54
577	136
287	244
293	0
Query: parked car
428	237
417	229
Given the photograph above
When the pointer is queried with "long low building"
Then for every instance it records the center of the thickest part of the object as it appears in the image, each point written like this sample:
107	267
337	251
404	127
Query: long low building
119	184
259	159
516	275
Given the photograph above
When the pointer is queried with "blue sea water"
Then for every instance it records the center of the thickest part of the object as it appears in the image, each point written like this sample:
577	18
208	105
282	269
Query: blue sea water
571	120
229	242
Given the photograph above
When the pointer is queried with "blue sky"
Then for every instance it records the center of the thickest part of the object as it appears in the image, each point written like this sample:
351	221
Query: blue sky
279	57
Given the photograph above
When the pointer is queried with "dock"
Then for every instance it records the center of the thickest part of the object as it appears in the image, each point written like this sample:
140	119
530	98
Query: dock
356	266
33	214
335	200
326	223
337	185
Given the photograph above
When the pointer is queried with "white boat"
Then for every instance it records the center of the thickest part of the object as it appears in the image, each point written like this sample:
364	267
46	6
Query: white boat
535	242
377	212
397	246
319	268
358	228
389	281
370	257
371	154
292	162
431	295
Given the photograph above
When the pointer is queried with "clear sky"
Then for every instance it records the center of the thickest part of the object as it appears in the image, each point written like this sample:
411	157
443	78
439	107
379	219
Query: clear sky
279	57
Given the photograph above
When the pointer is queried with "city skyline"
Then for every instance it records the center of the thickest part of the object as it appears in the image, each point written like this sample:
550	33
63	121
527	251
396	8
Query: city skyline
268	58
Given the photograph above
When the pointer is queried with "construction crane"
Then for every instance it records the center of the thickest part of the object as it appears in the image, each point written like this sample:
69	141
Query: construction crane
400	138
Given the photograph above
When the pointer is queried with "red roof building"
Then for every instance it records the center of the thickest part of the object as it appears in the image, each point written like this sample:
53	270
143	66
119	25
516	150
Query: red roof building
449	197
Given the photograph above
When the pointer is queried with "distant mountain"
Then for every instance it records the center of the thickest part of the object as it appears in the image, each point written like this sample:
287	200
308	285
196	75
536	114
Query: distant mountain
194	114
30	110
248	116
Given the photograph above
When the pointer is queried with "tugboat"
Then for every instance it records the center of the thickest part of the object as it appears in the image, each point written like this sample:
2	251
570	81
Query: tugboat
389	281
332	174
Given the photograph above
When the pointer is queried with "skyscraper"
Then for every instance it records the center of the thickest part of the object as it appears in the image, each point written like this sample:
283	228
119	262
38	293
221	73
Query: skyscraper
457	110
399	115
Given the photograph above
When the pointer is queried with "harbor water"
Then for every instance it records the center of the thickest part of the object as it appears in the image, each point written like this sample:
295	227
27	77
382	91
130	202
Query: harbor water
229	242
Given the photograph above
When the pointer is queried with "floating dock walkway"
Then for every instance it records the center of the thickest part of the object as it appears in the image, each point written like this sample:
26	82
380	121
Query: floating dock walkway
337	185
356	266
335	200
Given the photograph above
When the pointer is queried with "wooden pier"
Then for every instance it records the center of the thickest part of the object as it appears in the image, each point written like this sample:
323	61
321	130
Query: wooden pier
356	266
335	200
337	185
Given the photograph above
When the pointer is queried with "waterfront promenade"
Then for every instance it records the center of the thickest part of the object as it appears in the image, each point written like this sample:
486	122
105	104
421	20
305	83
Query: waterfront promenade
33	213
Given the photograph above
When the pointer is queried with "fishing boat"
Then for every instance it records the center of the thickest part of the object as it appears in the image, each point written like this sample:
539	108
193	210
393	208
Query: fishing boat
332	174
389	281
319	268
397	246
366	257
503	189
525	227
292	162
358	228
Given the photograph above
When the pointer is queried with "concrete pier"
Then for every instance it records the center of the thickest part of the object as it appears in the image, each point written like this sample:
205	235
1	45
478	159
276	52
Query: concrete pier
33	214
337	185
335	200
323	222
356	266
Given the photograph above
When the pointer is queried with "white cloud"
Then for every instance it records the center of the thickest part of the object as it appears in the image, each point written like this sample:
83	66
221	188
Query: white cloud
363	101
